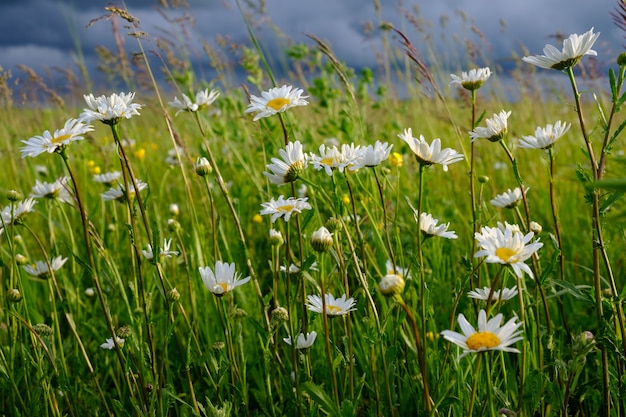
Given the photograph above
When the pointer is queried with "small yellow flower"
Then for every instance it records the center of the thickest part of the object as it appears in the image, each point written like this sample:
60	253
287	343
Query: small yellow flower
345	199
140	153
395	159
95	170
91	163
257	218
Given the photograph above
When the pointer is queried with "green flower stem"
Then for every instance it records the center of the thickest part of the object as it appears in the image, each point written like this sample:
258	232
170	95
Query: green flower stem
385	219
329	352
520	183
472	175
216	254
522	367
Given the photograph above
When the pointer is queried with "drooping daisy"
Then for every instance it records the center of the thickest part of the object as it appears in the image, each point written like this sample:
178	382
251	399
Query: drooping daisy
372	155
329	159
495	130
507	247
302	341
109	344
334	306
119	194
430	228
14	214
471	80
391	284
508	199
321	239
165	252
203	100
108	177
52	190
545	137
490	335
224	279
111	109
574	48
284	207
430	154
42	269
289	168
395	269
483	294
48	142
276	100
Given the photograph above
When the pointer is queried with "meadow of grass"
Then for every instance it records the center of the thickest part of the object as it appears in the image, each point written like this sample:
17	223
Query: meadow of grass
121	328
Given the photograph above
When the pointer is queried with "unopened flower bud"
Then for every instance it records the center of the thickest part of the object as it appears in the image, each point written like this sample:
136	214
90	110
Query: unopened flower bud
14	195
391	285
217	346
276	238
483	179
203	167
21	260
173	295
174	209
321	239
278	316
621	59
43	329
173	226
90	292
535	227
14	295
124	332
333	224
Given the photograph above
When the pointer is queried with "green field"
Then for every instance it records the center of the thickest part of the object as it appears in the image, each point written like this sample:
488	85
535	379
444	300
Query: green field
94	321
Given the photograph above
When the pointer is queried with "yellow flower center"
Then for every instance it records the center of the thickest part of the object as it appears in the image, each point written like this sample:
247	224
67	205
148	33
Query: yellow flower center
505	253
327	161
285	209
61	138
486	340
223	286
332	309
278	103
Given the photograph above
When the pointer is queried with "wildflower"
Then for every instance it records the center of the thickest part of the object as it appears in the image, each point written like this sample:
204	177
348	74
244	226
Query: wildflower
391	284
545	137
276	238
276	100
279	315
284	207
173	295
203	167
303	341
257	218
396	159
490	335
329	158
119	193
174	209
108	177
43	269
372	155
54	190
164	253
352	156
508	199
321	239
334	306
43	330
508	247
110	110
483	294
172	156
14	295
109	344
473	79
535	227
289	168
429	227
13	214
71	132
223	280
294	269
395	269
203	100
574	48
90	292
430	154
495	130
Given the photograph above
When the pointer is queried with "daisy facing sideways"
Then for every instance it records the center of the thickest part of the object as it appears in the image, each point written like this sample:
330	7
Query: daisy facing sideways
276	100
489	336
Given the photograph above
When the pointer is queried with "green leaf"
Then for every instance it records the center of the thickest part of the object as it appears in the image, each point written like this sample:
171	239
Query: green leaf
618	184
322	399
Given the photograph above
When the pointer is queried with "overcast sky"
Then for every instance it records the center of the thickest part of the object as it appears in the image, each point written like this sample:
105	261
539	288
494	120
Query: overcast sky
48	33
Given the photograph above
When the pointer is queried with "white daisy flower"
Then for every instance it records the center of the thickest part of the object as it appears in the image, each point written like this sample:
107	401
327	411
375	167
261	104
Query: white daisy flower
430	154
507	247
391	284
119	194
395	269
334	306
352	156
321	239
430	228
14	214
329	158
471	80
48	142
294	269
574	48
490	335
109	344
284	207
172	156
545	137
276	100
203	100
108	177
508	199
372	155
42	269
289	168
224	279
54	190
165	252
495	130
483	294
303	341
111	109
203	166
